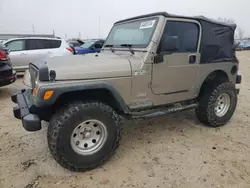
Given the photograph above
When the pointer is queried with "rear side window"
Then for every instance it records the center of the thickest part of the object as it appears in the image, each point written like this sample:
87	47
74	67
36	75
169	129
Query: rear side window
16	45
52	43
187	32
37	44
34	44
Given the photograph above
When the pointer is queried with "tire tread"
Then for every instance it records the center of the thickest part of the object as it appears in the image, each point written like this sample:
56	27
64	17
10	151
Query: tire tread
60	119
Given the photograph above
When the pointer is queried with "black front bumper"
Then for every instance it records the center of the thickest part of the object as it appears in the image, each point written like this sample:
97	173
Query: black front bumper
22	110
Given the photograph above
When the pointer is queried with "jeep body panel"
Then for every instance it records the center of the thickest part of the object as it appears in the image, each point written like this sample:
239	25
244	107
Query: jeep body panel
90	66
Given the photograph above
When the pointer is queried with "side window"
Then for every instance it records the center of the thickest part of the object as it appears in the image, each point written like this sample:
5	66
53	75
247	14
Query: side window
187	32
16	45
98	45
55	43
49	44
34	44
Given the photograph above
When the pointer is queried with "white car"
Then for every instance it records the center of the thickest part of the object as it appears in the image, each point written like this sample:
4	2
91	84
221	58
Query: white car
29	49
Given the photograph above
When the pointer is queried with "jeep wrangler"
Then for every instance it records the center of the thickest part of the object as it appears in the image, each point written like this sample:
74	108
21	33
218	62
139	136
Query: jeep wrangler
150	65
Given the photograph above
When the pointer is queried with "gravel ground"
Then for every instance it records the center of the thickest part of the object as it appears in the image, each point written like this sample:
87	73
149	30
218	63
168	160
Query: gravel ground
174	151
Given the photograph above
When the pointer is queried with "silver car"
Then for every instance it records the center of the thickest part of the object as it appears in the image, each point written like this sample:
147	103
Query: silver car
26	50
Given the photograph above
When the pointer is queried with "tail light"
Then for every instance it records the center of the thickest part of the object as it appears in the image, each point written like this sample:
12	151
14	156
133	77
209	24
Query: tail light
70	49
3	56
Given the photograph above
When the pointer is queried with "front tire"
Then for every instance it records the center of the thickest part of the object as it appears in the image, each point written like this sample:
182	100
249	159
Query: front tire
217	104
83	135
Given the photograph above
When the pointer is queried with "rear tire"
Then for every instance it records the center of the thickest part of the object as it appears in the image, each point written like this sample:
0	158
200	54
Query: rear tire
217	104
99	134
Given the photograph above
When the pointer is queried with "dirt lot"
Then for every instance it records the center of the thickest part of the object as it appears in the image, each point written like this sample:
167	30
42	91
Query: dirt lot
174	151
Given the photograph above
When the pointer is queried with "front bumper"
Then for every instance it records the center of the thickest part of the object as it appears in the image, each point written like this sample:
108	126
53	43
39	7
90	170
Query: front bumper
22	110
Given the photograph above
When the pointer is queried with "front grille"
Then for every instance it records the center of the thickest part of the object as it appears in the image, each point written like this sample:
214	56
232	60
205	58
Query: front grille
33	75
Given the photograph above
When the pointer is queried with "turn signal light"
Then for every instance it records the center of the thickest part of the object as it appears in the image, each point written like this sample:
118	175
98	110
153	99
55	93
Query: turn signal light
34	92
48	95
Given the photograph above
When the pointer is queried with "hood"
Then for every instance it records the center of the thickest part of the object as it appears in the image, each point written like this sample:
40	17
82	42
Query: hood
90	66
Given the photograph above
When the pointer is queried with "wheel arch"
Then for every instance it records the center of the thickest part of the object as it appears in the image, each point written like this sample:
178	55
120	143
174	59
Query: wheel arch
102	92
213	78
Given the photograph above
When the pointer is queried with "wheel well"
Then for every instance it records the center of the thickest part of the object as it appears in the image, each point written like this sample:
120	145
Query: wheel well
101	95
214	78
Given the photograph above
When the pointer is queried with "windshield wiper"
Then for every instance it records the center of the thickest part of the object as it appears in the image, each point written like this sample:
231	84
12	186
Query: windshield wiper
110	46
129	47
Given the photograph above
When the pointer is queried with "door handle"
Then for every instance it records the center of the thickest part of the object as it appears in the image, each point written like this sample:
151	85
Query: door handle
23	53
192	59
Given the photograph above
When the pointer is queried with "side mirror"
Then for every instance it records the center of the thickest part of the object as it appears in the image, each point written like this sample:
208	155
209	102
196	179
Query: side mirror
170	44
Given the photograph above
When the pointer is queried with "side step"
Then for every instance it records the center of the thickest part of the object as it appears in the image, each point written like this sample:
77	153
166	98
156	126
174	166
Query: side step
162	111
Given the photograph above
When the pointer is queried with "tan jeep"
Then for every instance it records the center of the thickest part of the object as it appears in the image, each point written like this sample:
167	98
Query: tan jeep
150	65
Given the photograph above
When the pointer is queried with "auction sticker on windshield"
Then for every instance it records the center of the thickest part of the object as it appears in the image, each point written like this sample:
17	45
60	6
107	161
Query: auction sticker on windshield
147	24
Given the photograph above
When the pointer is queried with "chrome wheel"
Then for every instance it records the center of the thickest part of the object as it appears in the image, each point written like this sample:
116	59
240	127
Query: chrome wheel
222	105
88	137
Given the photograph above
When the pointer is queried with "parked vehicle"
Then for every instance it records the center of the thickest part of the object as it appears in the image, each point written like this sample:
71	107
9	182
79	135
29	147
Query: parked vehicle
26	50
150	65
91	46
244	46
7	74
75	43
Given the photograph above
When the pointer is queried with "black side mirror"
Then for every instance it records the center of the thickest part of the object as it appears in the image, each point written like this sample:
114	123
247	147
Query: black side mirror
170	44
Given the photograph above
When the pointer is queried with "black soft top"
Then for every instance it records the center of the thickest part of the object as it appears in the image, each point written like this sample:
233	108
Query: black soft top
198	18
217	41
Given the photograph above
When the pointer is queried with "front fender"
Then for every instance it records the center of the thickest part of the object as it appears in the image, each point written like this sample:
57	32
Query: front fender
60	89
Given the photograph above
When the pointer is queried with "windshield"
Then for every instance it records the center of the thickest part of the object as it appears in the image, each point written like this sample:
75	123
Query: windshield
136	33
87	44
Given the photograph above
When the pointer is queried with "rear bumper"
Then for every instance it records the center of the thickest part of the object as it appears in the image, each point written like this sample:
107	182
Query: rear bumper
24	102
8	80
238	79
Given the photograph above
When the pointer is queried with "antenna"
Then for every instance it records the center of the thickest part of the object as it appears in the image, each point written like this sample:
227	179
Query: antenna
99	26
33	28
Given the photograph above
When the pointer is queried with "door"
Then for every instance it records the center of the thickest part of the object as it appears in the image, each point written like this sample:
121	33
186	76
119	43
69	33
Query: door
176	71
18	54
35	49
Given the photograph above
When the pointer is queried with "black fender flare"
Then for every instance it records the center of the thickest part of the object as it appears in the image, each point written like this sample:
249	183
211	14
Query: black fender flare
61	88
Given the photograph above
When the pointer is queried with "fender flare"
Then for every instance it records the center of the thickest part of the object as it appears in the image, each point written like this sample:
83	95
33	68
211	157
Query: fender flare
60	89
207	75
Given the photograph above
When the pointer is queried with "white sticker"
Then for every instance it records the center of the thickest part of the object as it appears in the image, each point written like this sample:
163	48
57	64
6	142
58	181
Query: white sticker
147	24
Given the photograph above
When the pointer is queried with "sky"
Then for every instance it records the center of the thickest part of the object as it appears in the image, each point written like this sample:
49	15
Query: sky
94	19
